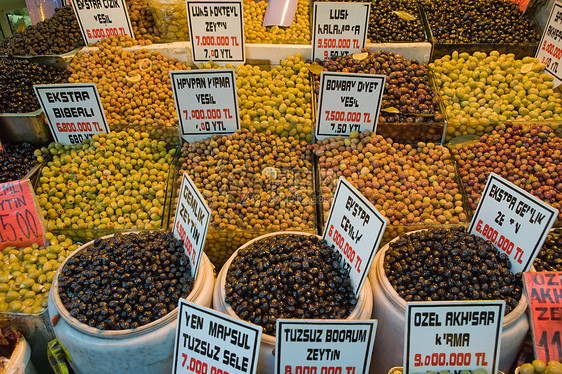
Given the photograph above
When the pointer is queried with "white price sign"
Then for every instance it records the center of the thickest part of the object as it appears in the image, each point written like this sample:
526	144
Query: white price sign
549	51
208	342
206	102
452	335
191	222
216	31
348	102
99	19
355	228
324	346
339	29
515	221
74	111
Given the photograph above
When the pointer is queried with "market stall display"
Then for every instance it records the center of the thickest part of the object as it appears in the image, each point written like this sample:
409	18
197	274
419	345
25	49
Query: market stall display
409	95
254	183
528	155
474	25
134	86
481	90
116	297
170	19
110	182
411	185
278	100
27	273
142	21
394	21
445	264
57	35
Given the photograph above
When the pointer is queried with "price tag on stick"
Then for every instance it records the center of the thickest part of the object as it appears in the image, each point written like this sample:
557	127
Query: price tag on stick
208	341
216	31
191	222
21	221
339	29
324	346
549	51
99	19
544	291
515	221
348	102
74	111
206	102
355	228
452	335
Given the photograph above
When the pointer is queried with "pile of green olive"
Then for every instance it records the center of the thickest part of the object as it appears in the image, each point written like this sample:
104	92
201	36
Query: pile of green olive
111	181
278	100
539	366
479	91
297	33
26	274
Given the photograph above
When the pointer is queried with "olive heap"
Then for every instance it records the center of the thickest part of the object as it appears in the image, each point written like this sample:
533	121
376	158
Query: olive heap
450	264
123	41
479	21
125	281
111	181
539	366
278	100
549	257
297	33
480	90
53	36
408	184
17	78
526	155
393	21
134	86
16	161
142	21
407	88
170	19
254	183
288	276
26	274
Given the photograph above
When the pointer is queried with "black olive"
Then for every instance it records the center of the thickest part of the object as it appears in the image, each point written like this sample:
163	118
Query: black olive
130	302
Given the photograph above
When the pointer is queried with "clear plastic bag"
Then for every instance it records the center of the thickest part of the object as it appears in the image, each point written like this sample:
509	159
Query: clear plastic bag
170	18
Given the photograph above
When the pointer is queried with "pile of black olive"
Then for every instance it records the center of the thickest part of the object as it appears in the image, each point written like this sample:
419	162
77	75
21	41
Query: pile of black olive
288	276
125	281
450	264
549	257
16	161
53	36
407	89
17	78
388	23
479	21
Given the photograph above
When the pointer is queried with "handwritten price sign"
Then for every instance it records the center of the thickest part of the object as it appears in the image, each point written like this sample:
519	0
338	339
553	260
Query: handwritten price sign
191	222
355	228
544	291
515	221
21	223
550	46
323	346
102	19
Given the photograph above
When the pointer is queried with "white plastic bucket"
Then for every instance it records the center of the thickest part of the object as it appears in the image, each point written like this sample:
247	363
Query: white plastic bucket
20	360
148	349
266	360
390	310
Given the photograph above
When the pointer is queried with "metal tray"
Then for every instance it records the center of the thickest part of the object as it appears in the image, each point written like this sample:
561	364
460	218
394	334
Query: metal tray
28	127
